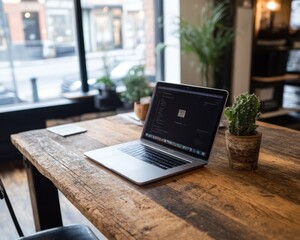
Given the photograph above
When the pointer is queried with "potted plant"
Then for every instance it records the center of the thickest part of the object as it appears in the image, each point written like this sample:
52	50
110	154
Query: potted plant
207	39
137	87
242	138
106	87
108	98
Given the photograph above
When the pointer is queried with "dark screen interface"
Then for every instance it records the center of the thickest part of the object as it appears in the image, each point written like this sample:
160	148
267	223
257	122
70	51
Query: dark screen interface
184	120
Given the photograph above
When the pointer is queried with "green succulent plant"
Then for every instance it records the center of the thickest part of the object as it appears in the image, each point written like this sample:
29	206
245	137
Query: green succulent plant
242	115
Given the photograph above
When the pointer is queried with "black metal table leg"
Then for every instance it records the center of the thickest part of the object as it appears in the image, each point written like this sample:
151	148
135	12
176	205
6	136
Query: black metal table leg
44	199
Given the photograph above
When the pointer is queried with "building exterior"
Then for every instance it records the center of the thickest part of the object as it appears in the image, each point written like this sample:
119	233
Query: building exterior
46	28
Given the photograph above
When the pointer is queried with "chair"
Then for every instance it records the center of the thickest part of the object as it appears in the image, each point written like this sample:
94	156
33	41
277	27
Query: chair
72	232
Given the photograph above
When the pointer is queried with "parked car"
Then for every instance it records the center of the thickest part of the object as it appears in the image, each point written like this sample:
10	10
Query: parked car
73	83
7	96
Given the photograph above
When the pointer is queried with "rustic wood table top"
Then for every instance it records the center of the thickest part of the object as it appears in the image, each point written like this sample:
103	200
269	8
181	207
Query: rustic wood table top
212	202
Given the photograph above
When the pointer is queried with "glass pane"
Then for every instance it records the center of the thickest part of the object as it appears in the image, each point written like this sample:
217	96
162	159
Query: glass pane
37	49
38	57
295	16
119	35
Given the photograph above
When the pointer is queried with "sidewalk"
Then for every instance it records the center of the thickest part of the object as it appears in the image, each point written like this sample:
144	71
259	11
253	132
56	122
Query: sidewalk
120	54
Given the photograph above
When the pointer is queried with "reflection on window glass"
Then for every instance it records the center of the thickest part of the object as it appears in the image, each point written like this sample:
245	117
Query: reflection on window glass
38	47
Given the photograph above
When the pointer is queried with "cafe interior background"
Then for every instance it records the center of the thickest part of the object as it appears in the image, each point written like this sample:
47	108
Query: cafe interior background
53	51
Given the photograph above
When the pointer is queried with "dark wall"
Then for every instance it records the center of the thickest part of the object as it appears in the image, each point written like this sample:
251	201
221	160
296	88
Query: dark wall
19	120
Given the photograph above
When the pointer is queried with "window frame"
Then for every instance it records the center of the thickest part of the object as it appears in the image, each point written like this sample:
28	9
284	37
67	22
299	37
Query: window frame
159	38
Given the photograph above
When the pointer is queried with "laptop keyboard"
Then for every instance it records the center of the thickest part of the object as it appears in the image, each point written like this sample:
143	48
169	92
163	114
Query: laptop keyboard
153	157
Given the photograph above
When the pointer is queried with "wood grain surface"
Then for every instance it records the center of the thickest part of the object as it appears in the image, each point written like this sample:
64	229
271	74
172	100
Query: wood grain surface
212	202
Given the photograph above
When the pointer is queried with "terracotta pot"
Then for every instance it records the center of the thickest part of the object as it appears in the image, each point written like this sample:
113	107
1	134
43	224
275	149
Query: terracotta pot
141	110
243	151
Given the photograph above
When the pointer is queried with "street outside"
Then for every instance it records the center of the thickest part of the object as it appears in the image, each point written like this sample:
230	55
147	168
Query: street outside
51	72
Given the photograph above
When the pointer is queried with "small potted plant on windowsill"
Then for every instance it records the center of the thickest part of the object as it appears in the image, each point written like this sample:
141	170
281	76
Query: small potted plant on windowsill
106	87
242	138
137	87
108	98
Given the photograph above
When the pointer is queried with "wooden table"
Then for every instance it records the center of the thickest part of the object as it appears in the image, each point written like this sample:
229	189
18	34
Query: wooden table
213	202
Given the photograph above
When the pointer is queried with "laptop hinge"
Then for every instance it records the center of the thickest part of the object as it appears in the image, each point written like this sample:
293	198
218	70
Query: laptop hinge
171	152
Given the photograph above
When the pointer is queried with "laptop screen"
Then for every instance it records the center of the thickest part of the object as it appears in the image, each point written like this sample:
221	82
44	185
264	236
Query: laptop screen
184	118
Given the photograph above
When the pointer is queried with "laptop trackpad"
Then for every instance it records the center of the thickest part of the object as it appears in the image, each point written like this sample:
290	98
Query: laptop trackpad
115	159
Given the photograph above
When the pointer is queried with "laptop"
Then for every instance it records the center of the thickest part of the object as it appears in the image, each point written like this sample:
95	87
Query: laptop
177	136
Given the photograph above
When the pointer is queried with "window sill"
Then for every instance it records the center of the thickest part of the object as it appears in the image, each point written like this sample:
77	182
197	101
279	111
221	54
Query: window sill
28	106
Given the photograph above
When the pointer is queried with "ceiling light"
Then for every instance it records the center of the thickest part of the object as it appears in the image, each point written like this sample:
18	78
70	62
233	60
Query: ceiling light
273	5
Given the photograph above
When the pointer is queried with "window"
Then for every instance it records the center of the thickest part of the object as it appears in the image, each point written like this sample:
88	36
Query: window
31	28
59	26
293	64
37	49
39	58
118	37
295	17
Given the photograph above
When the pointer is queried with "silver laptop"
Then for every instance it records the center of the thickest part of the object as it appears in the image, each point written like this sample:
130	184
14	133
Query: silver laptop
177	136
